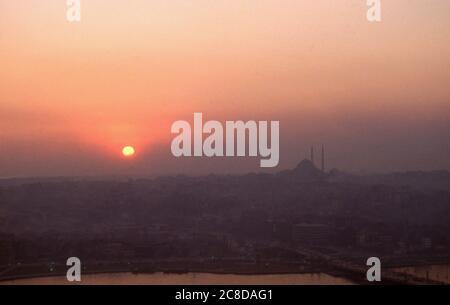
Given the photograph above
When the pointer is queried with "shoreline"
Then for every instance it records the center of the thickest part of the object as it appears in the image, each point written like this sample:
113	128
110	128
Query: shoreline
61	277
174	271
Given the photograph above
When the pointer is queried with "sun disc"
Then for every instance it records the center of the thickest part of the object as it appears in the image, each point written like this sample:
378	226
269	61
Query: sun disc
128	151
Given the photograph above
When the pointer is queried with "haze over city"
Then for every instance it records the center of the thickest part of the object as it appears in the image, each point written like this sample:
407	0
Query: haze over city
73	95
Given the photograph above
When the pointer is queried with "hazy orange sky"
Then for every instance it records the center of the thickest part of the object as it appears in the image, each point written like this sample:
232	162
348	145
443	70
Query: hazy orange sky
73	94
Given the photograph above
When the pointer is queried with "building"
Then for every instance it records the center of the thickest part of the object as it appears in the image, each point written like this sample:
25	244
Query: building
311	234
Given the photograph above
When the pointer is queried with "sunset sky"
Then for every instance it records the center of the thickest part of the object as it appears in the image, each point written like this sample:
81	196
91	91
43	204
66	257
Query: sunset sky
72	95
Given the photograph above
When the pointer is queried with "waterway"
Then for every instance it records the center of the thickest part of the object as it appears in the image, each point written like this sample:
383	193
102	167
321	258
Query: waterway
190	279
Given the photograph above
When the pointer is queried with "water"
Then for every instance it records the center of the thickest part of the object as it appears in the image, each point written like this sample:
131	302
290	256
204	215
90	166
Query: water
191	279
434	272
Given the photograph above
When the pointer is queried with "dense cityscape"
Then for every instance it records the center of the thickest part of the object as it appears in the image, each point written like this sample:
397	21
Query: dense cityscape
300	220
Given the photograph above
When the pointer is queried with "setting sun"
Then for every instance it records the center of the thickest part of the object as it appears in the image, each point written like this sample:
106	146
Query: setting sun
128	151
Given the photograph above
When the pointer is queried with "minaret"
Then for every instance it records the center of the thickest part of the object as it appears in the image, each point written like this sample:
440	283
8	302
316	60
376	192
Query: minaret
312	154
323	159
